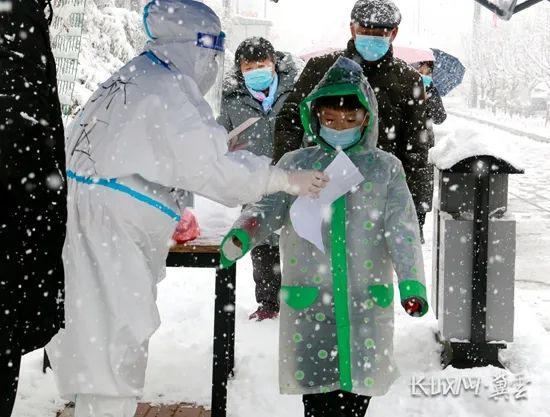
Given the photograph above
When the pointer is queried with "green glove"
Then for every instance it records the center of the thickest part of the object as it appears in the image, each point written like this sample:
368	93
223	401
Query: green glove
410	291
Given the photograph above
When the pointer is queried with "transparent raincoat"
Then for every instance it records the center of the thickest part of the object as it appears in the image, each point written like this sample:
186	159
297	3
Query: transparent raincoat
337	314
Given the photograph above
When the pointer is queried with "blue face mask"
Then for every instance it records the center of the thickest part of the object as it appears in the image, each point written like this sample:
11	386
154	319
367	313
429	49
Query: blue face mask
372	48
341	138
259	79
427	80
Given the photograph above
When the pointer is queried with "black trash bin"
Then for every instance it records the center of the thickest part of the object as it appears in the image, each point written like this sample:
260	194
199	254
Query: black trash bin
474	261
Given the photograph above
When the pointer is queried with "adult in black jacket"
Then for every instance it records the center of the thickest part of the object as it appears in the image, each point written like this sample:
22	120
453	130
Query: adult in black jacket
403	129
32	191
435	108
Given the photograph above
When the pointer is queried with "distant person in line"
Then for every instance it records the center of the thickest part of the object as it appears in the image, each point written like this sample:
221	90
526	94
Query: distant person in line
336	325
146	131
257	88
399	90
435	110
33	194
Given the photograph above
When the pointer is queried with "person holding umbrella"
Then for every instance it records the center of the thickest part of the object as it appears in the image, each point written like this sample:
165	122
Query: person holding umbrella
436	109
441	73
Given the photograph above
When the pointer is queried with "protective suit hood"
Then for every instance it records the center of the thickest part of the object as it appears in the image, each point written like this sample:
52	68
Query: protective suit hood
345	77
175	28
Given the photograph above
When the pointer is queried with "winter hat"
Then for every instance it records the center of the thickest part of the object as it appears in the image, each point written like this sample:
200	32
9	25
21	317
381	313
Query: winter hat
254	49
376	14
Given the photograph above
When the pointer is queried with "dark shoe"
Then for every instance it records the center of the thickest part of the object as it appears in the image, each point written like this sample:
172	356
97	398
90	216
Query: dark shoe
262	314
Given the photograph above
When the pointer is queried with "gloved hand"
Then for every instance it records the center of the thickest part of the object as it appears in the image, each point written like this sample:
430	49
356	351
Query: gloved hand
413	306
306	183
301	183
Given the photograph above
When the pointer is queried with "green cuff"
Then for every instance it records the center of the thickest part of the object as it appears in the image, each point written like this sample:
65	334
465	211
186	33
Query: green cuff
243	237
411	288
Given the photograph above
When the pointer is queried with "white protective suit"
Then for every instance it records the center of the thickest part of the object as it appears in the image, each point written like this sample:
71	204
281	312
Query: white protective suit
144	132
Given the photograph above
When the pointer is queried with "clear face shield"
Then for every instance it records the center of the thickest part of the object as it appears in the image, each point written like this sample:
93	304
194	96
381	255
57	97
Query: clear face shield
211	84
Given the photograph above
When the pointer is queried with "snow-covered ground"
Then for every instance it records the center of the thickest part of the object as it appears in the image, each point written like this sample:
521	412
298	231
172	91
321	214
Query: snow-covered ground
535	124
180	352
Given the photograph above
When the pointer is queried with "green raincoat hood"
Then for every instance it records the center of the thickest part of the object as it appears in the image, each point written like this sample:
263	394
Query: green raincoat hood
344	78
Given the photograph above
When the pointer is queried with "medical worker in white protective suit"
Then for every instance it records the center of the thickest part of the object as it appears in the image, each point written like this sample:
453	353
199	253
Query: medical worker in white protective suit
144	132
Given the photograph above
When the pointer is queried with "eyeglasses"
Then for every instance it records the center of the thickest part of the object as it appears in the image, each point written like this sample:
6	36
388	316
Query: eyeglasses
209	41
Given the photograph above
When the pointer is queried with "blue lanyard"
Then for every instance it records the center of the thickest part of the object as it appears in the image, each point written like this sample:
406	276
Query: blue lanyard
114	185
156	59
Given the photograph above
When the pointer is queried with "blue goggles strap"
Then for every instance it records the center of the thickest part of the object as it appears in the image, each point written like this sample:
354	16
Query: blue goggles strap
207	40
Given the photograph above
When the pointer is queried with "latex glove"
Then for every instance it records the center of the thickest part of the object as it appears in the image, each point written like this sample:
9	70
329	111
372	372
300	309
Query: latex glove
413	306
307	183
301	183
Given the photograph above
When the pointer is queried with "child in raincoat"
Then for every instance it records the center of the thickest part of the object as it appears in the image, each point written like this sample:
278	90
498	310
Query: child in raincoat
336	329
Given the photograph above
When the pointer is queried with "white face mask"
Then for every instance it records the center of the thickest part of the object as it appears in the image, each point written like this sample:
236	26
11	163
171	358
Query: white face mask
341	138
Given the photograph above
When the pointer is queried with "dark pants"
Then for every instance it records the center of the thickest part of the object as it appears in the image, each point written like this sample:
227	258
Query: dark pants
421	222
335	404
266	263
10	361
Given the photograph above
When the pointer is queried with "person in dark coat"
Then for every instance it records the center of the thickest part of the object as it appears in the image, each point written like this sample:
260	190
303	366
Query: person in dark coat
258	87
32	191
403	129
435	108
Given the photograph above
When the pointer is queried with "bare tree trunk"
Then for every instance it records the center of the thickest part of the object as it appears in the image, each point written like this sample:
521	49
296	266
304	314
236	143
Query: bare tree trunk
474	44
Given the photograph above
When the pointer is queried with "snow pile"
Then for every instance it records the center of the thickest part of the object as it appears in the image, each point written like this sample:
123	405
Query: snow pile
466	142
111	37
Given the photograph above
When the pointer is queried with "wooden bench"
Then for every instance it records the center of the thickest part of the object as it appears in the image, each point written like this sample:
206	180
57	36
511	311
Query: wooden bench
205	253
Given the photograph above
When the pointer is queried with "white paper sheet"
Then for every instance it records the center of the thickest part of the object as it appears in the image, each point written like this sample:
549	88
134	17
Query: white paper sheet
307	214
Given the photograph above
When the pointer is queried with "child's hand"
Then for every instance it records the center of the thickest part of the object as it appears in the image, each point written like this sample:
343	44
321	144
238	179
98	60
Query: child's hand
413	306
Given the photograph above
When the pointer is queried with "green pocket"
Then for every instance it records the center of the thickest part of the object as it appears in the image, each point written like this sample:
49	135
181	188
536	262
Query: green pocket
299	298
382	294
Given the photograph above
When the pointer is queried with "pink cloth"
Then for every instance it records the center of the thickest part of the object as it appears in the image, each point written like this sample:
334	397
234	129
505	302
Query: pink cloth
411	55
187	229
